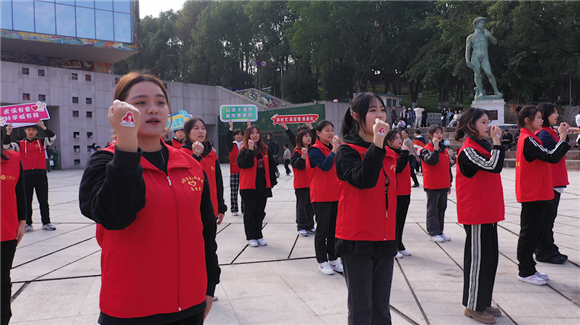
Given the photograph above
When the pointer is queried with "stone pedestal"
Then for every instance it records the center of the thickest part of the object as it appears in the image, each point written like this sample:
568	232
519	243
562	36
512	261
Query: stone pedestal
494	106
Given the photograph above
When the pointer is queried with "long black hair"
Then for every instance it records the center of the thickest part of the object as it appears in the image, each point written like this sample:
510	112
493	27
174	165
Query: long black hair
466	125
547	109
360	105
189	126
2	153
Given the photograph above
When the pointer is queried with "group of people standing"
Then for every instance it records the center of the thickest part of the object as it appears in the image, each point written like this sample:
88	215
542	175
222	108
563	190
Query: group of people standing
157	203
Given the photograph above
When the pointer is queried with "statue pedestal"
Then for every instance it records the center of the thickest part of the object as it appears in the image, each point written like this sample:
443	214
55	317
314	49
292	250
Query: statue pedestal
496	108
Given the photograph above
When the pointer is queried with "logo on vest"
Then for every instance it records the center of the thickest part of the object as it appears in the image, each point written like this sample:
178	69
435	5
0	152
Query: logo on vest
7	178
195	183
393	168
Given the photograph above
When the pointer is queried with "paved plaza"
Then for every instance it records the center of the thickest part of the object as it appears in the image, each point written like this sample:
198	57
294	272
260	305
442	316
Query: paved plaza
56	274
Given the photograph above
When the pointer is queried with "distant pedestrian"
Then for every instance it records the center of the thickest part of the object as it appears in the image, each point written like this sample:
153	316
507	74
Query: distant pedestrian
274	148
480	206
407	142
287	155
437	180
234	143
507	139
418	117
419	143
394	118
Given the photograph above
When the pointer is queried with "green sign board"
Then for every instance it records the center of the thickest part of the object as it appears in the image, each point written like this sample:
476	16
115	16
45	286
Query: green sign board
238	113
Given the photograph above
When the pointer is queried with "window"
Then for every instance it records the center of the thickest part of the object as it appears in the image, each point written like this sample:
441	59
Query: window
89	101
75	100
22	15
104	25
74	76
77	161
89	135
25	96
76	135
87	77
25	71
75	113
89	114
165	85
41	97
85	3
65	20
44	17
90	148
104	5
40	72
117	80
85	22
122	6
6	20
77	148
122	27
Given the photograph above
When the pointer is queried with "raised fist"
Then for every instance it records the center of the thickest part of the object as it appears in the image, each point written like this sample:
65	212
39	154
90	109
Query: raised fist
250	144
125	119
197	148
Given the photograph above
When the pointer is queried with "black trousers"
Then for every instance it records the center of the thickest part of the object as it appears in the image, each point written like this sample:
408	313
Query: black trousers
436	206
480	259
402	209
419	166
546	248
368	280
254	215
8	248
531	219
38	182
412	163
196	319
326	228
286	166
304	209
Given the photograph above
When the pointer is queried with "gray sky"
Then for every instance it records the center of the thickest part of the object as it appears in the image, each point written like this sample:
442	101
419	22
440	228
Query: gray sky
153	7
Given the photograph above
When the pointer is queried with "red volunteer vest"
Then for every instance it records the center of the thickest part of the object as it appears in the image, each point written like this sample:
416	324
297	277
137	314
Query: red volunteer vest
164	242
559	170
234	169
404	180
480	198
208	165
301	179
176	144
363	214
248	175
323	185
32	155
10	174
533	179
436	177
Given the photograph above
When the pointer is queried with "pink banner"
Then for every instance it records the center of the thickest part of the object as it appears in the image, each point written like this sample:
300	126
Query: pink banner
294	119
23	114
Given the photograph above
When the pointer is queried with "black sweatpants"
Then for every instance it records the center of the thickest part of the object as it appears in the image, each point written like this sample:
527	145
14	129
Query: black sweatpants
304	210
480	259
8	248
255	211
368	280
531	219
38	182
286	164
436	206
546	248
402	209
412	163
325	230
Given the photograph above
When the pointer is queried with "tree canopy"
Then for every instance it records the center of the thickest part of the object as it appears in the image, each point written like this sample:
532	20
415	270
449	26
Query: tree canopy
332	49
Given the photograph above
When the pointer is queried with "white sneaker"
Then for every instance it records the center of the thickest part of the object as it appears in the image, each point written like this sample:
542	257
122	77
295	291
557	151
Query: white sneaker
445	237
399	255
336	265
532	279
28	228
312	231
48	226
235	213
253	243
405	252
542	276
325	268
303	233
436	239
262	242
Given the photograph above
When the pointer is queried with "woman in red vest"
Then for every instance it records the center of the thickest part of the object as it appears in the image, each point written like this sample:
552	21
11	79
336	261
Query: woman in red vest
403	172
324	193
13	220
366	224
437	180
257	177
547	251
480	206
197	146
234	143
304	210
534	187
155	221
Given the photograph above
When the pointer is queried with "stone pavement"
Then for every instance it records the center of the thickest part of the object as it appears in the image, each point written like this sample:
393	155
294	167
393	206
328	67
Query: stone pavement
56	274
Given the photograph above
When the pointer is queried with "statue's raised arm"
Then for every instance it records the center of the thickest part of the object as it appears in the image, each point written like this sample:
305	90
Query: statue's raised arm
476	58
